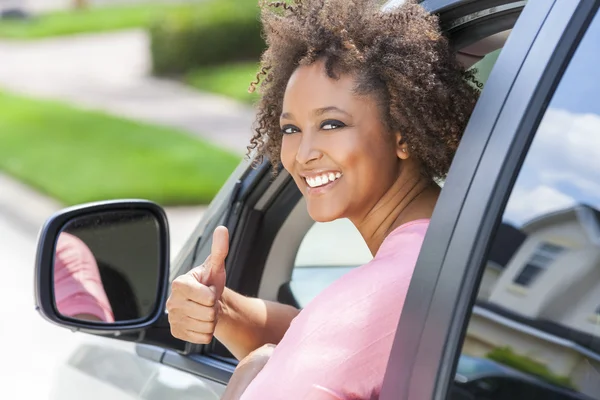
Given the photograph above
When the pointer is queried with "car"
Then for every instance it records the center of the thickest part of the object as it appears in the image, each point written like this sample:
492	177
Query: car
481	378
509	272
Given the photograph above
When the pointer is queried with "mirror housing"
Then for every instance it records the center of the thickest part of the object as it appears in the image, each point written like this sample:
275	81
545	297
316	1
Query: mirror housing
109	228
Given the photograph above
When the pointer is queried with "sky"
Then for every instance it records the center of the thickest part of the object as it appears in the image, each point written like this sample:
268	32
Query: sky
562	167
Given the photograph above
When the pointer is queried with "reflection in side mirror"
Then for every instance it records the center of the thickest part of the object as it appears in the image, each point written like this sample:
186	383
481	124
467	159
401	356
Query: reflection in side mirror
106	266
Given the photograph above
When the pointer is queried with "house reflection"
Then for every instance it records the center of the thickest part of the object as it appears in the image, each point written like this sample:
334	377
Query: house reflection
540	297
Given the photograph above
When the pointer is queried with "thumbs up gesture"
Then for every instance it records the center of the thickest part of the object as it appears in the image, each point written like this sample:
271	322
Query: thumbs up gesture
193	307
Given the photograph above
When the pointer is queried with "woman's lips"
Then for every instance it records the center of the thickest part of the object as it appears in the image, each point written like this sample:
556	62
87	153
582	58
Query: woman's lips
323	188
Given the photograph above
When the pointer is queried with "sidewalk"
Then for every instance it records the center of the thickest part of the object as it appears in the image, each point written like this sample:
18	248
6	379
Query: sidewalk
109	72
37	6
30	209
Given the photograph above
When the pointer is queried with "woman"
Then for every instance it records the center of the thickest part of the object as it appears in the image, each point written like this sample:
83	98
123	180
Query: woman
365	110
78	288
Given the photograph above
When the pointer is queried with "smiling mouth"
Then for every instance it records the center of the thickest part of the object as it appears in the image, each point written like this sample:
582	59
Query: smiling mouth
322	180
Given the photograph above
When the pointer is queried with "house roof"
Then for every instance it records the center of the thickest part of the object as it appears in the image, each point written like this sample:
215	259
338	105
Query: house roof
588	217
507	241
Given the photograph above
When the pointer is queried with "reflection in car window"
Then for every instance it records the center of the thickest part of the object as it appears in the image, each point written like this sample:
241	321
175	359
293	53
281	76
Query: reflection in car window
536	316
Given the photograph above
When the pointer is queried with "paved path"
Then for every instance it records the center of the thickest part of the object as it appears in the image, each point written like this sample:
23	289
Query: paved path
32	347
28	210
37	6
110	72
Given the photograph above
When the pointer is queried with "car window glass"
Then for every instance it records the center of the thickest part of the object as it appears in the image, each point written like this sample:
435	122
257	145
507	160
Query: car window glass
328	251
536	319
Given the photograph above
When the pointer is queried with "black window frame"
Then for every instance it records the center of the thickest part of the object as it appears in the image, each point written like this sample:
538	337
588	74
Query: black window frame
543	256
447	276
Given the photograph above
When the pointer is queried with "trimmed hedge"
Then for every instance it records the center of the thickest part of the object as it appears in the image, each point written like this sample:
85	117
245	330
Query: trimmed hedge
506	356
215	32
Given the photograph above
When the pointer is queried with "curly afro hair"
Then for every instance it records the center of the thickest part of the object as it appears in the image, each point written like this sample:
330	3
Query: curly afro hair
399	56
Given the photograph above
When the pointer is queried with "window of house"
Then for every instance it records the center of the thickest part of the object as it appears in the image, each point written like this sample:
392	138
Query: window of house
542	341
544	255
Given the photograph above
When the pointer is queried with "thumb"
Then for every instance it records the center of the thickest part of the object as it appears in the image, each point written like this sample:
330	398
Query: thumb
219	250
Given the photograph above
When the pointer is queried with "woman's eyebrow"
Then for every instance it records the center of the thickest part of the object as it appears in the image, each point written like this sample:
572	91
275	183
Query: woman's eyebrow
317	112
323	110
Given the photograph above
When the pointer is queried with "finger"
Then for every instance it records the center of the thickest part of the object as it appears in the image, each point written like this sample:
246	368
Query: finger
189	288
205	327
198	312
197	337
190	330
219	249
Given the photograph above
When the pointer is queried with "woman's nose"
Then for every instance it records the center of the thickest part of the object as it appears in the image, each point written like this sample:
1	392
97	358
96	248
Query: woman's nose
308	150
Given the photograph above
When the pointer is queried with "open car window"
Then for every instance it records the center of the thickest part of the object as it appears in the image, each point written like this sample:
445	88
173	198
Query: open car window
330	250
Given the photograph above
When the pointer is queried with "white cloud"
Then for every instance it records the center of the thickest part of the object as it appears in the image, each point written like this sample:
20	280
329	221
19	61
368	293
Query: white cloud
525	204
561	169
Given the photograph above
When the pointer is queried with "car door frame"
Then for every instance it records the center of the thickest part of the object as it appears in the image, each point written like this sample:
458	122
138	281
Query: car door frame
253	225
445	283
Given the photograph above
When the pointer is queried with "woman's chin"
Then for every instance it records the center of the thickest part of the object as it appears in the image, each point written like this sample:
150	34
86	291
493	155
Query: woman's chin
318	214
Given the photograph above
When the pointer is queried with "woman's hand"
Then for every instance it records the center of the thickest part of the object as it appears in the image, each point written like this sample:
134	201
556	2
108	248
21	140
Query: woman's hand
246	371
193	307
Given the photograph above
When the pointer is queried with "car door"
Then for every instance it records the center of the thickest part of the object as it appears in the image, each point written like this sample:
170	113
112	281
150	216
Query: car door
269	242
268	220
517	281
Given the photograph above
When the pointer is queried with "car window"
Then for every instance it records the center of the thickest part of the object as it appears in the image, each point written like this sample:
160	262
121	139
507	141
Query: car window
535	320
328	251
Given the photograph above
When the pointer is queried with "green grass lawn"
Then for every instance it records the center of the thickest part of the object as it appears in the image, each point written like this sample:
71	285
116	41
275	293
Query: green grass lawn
93	19
231	80
78	156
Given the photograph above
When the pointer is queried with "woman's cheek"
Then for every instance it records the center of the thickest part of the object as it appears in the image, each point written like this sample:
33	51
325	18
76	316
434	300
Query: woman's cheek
288	152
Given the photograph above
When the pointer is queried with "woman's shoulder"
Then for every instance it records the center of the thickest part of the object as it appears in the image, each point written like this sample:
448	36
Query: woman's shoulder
405	240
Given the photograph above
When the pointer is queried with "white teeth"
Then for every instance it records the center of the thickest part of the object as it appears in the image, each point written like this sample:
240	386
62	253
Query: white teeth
322	180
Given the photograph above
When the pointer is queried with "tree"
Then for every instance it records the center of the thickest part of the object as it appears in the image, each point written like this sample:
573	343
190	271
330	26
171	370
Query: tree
80	4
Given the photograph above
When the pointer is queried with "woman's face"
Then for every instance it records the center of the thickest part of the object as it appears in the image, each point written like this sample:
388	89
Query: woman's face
336	146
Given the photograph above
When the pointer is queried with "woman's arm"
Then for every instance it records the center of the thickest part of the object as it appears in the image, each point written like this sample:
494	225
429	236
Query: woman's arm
246	323
246	371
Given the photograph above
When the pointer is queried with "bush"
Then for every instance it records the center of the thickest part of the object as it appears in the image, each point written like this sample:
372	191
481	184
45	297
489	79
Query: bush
506	356
215	32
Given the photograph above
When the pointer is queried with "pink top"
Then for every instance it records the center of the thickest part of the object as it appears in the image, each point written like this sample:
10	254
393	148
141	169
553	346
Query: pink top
77	285
338	346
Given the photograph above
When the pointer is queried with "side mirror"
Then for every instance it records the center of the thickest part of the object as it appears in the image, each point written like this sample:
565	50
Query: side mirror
104	266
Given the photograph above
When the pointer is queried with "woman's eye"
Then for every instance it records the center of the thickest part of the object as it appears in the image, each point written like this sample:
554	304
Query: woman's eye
328	125
289	129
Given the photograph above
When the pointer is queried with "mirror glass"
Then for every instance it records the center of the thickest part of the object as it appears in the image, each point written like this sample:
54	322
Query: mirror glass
106	266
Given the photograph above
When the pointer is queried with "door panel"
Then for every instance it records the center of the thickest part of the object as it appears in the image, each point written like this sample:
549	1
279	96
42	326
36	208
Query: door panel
405	372
546	34
102	369
171	383
536	310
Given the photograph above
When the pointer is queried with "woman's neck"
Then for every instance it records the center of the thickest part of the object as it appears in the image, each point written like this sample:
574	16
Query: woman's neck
407	200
